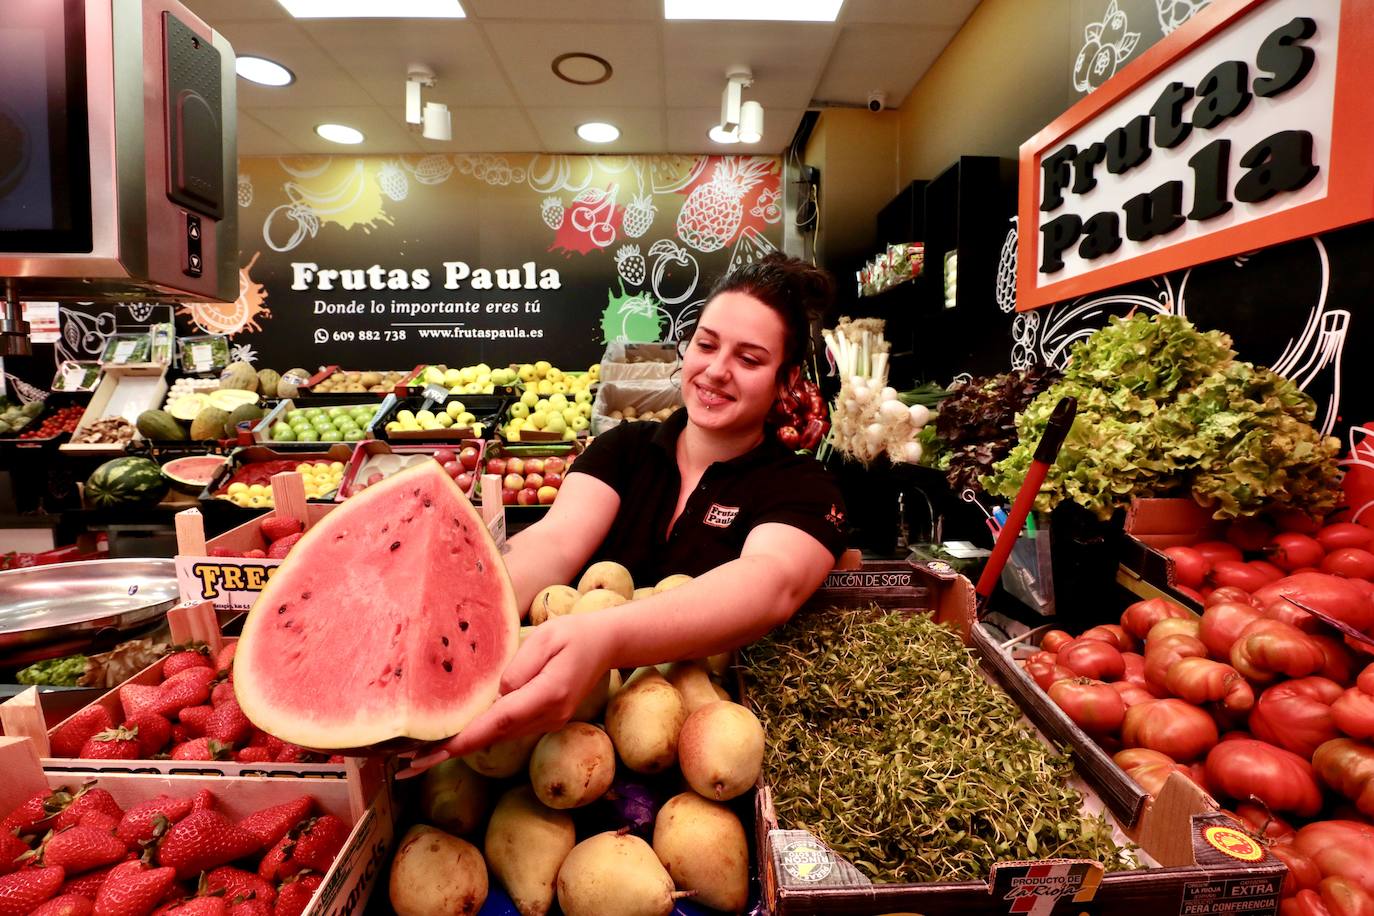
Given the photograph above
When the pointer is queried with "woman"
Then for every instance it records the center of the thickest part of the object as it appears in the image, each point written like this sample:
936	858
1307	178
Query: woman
709	492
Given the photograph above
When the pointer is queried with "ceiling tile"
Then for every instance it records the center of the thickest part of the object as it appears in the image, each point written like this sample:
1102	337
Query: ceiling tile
786	60
257	139
937	13
319	81
687	129
567	10
382	134
883	57
216	11
641	129
379	54
526	52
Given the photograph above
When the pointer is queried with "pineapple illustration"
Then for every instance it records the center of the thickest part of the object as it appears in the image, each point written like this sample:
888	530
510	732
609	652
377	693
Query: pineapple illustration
245	190
552	211
712	214
393	181
638	216
630	264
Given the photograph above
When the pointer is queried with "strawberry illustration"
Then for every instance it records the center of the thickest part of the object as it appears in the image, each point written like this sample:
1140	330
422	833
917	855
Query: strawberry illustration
133	889
271	824
203	840
201	749
282	547
154	732
295	895
71	734
140	822
66	905
552	211
310	846
227	724
79	849
225	660
238	883
36	812
630	264
276	527
88	800
112	744
22	891
178	662
11	848
193	718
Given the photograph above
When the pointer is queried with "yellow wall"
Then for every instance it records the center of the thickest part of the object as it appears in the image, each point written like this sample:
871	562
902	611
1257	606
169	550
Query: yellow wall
1001	79
856	152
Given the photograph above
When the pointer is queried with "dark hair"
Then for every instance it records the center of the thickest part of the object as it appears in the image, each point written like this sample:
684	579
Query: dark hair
799	292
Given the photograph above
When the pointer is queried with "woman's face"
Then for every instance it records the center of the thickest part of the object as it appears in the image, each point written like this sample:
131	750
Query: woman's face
730	369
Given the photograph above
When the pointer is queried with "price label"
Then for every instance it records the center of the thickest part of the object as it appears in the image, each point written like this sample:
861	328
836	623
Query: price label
202	357
73	377
123	350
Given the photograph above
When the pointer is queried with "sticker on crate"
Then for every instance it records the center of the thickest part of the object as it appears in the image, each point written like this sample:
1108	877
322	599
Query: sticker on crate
232	584
1035	888
801	860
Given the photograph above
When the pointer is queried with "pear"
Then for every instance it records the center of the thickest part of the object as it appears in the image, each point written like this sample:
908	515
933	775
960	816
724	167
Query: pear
644	592
721	750
598	599
554	601
455	797
692	681
573	766
504	758
672	582
434	874
607	574
702	845
614	875
644	719
594	703
525	845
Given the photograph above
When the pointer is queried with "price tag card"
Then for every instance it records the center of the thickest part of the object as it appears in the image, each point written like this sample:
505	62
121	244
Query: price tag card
73	377
123	350
202	357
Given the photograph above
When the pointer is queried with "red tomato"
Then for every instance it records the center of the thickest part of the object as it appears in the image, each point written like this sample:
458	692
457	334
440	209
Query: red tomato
1044	674
1292	551
1344	897
1365	681
1348	768
1340	662
1297	715
1135	670
1041	656
1345	534
1340	849
1190	566
1344	599
1266	569
1111	633
1303	873
1177	729
1290	520
1222	623
1192	593
1054	640
1353	713
1093	706
1133	757
1188	626
1201	680
1093	658
1265	823
1350	562
1266	648
1132	694
1152	776
1231	594
1250	534
1161	654
1219	550
1141	616
1279	778
1239	574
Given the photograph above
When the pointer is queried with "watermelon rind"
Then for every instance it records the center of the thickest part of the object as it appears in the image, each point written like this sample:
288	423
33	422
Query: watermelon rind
314	669
126	482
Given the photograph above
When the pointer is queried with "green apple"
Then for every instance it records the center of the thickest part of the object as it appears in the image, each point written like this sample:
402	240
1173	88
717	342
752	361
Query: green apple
512	434
530	398
579	423
569	434
558	401
527	373
542	367
555	423
569	413
354	435
519	410
560	387
516	423
307	435
434	375
583	396
283	432
585	409
537	420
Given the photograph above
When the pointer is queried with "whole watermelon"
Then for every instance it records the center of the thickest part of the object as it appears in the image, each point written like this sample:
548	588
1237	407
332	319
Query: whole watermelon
126	482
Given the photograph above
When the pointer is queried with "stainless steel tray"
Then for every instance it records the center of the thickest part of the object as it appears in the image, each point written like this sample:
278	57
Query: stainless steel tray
76	601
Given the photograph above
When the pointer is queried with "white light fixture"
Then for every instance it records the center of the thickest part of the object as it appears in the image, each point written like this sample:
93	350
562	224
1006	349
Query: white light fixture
374	9
719	134
438	122
750	122
339	133
598	132
418	77
740	121
769	10
262	71
736	79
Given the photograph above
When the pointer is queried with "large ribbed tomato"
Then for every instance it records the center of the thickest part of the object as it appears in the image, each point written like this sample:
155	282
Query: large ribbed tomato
1332	897
1095	658
1303	873
1267	648
1353	713
1348	768
1281	779
1297	715
1340	849
1141	616
1161	654
1332	595
1201	680
1176	729
1222	623
1093	706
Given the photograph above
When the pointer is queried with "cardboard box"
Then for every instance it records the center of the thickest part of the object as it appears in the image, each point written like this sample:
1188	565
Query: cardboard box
144	387
1151	526
366	452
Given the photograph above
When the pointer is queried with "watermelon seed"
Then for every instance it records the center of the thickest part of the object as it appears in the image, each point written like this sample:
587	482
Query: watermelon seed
398	673
305	596
395	544
282	609
415	492
338	537
428	502
408	519
480	567
463	625
448	665
473	645
444	640
385	529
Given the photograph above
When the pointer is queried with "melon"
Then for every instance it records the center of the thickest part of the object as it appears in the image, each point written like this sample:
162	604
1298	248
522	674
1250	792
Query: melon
239	375
194	472
388	624
209	424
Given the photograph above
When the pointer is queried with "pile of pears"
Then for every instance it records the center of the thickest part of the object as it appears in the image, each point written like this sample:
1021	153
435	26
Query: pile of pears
510	809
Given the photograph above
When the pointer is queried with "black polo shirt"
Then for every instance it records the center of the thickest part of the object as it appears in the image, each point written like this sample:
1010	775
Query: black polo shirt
766	484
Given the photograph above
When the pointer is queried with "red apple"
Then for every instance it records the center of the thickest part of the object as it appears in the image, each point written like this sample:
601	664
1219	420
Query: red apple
554	480
464	481
529	496
468	458
515	466
513	481
443	456
496	466
534	480
547	495
508	497
534	466
452	468
554	465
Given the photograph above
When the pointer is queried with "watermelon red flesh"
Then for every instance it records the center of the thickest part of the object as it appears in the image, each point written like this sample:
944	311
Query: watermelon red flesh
392	619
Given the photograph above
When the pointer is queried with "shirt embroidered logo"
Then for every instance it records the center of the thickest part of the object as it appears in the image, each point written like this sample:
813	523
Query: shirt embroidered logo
835	517
719	516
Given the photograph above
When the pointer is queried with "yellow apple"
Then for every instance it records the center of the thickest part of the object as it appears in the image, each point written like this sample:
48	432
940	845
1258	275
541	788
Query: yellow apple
527	373
554	374
537	420
579	423
530	398
453	377
583	397
585	408
519	410
542	367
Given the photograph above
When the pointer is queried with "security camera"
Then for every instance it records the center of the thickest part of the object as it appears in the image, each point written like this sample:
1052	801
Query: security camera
877	100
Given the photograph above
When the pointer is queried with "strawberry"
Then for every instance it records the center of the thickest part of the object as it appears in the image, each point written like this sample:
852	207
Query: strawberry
224	552
227	724
66	905
280	549
180	734
203	840
251	907
194	906
262	739
201	749
222	693
294	896
225	660
80	849
99	820
193	718
36	812
22	891
11	848
154	733
133	889
204	800
138	699
238	883
139	822
252	755
85	802
276	527
178	662
291	753
112	744
257	553
87	885
71	734
271	824
312	845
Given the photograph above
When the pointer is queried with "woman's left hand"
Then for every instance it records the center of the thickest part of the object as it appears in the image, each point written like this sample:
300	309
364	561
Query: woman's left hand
555	667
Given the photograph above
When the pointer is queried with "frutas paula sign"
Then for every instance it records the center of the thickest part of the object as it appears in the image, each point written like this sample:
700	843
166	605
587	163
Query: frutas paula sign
1249	126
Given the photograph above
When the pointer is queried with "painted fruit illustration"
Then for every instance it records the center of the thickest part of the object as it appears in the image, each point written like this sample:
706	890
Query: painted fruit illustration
630	264
552	212
389	623
639	216
393	181
712	214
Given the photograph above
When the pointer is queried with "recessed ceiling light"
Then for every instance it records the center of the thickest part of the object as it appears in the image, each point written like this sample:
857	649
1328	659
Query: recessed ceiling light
719	134
598	132
581	68
262	71
374	9
339	133
774	10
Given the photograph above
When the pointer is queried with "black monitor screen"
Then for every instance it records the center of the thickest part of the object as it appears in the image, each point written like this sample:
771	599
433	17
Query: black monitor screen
45	195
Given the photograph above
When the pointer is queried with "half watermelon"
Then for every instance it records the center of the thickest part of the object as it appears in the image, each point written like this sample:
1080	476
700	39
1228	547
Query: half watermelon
389	623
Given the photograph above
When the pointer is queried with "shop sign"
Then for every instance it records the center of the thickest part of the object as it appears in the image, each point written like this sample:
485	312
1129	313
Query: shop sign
1249	126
